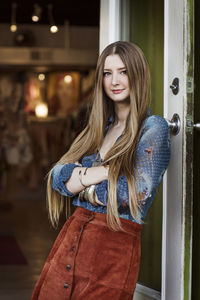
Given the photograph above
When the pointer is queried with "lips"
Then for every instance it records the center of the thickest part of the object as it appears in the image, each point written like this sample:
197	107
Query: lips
117	91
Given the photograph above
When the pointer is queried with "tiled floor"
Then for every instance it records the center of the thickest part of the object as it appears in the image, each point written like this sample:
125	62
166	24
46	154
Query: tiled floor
23	215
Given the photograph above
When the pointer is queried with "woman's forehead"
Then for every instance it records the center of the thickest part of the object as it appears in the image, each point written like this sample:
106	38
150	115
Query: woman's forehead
113	61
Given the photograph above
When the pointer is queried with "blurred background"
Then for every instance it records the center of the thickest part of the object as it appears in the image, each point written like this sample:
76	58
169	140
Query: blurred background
48	54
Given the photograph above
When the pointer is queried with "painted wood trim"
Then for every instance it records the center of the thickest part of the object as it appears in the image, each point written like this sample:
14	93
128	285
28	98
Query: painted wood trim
146	291
172	237
188	146
110	25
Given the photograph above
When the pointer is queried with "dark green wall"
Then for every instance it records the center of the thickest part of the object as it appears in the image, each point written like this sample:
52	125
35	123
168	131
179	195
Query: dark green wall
147	31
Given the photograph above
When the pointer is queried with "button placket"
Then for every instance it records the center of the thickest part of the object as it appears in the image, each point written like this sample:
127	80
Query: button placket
70	259
69	267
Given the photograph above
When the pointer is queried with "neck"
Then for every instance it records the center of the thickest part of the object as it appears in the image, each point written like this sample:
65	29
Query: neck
121	111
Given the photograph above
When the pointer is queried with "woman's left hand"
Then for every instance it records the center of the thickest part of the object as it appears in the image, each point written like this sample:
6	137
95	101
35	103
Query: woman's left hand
97	201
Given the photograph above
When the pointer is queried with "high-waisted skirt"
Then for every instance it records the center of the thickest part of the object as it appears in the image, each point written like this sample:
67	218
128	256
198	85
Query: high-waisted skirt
89	261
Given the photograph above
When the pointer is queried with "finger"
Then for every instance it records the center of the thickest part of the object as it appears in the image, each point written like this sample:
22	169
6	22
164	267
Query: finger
99	202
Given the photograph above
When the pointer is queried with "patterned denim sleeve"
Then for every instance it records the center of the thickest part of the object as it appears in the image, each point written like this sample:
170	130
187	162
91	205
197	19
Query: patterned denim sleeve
60	174
152	159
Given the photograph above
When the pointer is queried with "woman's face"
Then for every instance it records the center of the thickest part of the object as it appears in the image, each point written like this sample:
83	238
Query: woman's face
115	79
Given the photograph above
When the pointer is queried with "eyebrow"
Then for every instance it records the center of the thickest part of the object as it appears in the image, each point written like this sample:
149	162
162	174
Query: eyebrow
117	69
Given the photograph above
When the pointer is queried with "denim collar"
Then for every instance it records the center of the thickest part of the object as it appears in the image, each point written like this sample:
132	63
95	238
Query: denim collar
110	120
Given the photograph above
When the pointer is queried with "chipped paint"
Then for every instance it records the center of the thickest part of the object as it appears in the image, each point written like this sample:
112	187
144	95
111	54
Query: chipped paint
187	149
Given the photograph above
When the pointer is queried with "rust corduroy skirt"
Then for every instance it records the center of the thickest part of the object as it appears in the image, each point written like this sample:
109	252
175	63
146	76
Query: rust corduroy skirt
88	261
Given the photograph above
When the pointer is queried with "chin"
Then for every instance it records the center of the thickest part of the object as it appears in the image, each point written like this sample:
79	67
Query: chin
120	99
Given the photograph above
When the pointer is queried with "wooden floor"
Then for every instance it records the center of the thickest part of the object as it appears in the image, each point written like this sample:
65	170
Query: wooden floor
23	215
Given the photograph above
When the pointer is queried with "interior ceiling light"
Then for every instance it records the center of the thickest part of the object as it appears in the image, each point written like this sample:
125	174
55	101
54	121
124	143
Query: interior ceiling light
41	76
53	27
37	11
68	79
41	110
13	26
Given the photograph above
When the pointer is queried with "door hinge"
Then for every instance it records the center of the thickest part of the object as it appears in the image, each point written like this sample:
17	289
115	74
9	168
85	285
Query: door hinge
190	85
189	124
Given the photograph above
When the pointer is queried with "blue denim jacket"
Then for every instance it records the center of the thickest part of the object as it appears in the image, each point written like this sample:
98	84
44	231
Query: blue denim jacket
152	159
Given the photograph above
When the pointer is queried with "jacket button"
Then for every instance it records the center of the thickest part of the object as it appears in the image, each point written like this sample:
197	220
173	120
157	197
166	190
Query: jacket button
66	285
68	267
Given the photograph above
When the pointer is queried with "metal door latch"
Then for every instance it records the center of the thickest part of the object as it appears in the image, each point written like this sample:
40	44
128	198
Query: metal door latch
175	86
190	125
197	126
174	124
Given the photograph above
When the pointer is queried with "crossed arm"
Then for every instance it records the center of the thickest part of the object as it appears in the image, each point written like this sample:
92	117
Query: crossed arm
68	182
153	155
94	175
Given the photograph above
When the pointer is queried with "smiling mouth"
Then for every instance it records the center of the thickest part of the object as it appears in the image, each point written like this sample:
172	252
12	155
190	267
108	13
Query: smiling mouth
117	91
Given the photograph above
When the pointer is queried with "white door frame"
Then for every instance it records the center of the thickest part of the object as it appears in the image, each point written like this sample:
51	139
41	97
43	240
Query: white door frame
177	197
172	235
177	184
109	23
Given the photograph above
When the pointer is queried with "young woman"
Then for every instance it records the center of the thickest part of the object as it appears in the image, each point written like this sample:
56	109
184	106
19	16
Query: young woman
112	170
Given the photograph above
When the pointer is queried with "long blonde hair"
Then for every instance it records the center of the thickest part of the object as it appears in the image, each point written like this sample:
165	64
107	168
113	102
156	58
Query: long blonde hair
121	156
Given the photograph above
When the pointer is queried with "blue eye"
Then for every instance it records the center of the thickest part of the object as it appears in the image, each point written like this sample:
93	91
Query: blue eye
106	73
124	72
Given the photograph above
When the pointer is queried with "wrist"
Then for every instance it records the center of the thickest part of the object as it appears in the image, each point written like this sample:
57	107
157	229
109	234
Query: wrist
93	175
82	173
106	170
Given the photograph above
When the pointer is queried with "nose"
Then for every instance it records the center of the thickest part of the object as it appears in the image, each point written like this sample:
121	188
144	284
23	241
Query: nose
115	79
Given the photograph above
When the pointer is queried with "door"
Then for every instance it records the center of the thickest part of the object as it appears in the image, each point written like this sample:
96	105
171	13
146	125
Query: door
177	192
196	177
118	19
